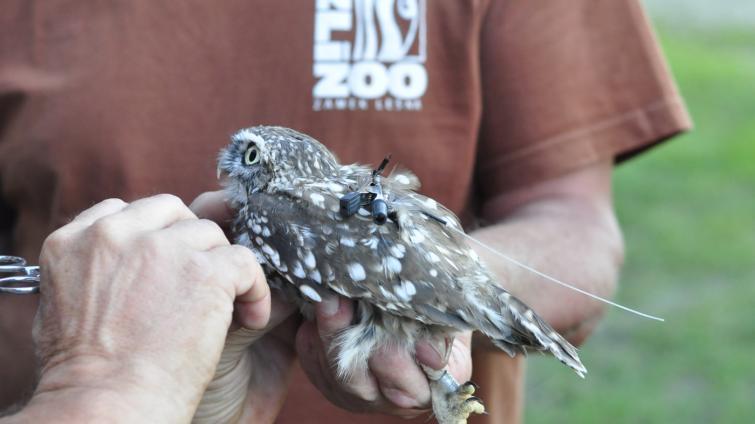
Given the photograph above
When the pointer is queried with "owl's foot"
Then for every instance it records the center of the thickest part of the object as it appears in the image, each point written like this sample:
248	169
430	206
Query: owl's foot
453	403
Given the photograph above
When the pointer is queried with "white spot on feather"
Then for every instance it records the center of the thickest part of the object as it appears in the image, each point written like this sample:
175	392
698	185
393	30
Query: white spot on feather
260	257
405	291
243	239
392	264
310	293
398	250
309	259
372	242
317	199
335	187
386	293
402	179
356	271
271	253
329	273
347	241
416	237
297	269
315	276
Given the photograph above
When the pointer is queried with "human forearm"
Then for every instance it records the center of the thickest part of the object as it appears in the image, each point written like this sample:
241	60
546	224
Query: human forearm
570	237
73	407
94	393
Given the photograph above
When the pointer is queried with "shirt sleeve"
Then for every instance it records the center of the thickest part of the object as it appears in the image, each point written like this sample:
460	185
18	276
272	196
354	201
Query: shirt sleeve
566	84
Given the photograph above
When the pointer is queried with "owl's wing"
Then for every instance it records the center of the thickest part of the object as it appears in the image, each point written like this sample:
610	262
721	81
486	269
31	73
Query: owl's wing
420	269
417	272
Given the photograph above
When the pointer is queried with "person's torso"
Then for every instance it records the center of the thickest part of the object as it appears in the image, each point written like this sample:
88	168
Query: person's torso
136	98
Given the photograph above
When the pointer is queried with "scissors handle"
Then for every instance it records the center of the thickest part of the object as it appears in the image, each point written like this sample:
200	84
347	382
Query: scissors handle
23	279
11	264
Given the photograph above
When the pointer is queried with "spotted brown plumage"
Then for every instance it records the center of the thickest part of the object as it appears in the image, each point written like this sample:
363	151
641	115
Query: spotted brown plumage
412	277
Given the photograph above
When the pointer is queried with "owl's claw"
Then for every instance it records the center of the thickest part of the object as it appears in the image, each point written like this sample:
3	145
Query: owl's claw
472	405
453	403
469	387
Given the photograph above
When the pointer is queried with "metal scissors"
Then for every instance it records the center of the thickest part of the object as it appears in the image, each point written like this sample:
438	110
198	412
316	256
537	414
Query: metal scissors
21	279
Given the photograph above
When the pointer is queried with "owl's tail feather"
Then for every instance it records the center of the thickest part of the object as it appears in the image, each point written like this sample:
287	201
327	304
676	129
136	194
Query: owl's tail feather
525	330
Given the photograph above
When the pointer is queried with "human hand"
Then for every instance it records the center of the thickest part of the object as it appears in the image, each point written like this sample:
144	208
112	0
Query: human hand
394	383
250	384
136	302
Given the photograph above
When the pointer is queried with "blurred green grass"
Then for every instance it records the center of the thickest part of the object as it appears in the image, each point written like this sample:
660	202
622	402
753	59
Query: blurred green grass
688	213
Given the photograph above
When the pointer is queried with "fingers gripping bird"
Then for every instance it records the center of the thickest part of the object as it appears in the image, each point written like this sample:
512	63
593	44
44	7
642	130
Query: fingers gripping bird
320	227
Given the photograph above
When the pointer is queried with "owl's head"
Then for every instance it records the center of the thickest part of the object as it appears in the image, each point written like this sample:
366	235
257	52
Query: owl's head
266	159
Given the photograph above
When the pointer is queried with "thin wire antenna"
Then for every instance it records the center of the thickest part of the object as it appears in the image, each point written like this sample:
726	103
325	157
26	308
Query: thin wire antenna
546	276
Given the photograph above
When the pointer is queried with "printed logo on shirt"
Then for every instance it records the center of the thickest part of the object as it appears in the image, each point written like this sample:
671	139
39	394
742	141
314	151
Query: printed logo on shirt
369	55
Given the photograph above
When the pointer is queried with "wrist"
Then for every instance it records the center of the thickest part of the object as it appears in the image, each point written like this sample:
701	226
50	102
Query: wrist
77	405
95	389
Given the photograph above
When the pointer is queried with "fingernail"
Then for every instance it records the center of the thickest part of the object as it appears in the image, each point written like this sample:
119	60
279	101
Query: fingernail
435	357
329	305
436	349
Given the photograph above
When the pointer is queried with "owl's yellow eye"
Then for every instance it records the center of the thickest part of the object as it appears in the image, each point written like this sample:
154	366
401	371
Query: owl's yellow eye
251	156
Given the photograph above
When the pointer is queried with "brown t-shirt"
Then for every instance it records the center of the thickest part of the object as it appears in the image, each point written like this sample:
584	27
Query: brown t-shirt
128	99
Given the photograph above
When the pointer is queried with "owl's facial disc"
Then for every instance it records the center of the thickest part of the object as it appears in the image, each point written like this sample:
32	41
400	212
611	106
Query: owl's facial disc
242	167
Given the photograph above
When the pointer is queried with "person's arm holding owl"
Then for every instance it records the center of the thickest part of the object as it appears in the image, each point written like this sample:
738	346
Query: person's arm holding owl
564	227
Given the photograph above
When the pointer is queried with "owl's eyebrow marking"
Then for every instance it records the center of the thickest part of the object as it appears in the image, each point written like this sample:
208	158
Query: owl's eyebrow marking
541	274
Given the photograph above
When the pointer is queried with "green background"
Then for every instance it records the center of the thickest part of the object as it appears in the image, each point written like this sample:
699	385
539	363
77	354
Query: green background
687	209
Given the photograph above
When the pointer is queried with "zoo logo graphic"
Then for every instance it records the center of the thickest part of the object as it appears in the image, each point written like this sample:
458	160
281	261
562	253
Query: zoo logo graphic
369	55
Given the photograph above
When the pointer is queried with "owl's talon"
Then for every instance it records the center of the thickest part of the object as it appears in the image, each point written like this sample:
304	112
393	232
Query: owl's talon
453	403
469	387
473	384
474	405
